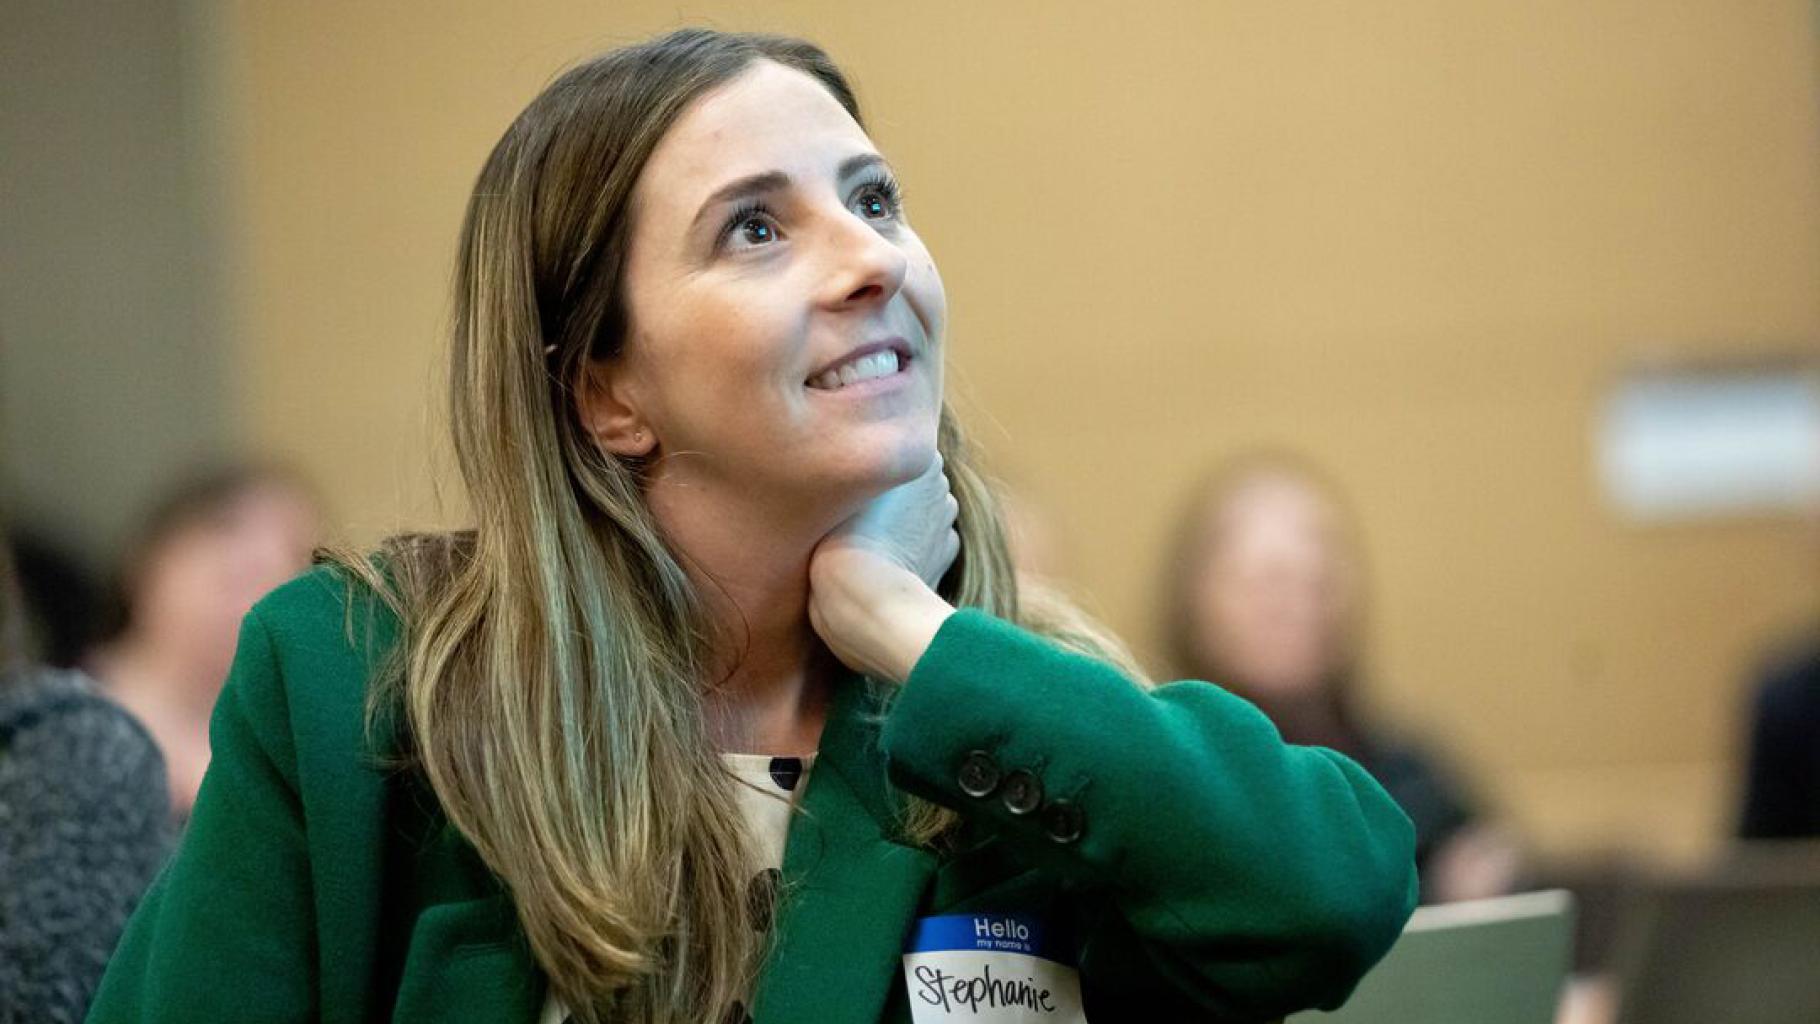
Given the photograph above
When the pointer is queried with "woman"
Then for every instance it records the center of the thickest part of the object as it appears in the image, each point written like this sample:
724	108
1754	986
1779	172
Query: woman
212	547
697	402
1266	598
82	829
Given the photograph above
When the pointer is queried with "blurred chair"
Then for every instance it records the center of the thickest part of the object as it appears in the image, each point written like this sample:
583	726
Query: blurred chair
1494	961
1738	944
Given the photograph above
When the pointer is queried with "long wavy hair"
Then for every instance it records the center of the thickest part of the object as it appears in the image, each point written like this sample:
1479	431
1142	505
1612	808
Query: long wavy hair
554	659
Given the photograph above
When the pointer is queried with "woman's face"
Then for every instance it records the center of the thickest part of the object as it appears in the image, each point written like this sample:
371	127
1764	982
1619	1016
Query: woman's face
1274	601
199	582
785	321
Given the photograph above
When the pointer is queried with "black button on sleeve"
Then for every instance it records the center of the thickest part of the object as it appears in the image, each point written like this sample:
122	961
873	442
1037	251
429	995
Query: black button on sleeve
1064	821
1022	792
979	774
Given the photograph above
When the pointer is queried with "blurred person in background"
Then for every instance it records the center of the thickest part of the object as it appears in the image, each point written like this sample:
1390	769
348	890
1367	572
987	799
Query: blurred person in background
1782	766
83	827
64	602
1782	772
1266	599
218	542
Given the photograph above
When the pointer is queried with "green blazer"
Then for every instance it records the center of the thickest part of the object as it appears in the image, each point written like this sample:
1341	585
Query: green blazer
1206	870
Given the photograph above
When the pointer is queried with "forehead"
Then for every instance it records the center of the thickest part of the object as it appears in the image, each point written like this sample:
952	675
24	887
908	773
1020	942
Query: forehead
1271	511
769	118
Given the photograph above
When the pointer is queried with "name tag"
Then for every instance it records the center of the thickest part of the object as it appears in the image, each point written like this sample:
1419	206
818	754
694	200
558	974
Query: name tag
990	969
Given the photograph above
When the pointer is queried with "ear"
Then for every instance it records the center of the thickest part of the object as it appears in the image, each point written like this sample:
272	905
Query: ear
606	400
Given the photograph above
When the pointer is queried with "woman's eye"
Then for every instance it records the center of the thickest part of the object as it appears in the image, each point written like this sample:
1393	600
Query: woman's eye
750	227
877	202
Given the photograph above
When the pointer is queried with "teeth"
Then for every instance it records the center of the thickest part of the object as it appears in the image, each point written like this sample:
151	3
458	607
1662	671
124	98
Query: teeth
878	364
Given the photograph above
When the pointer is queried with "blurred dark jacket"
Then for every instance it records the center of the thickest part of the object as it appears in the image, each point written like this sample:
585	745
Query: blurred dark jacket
1782	781
1436	801
83	828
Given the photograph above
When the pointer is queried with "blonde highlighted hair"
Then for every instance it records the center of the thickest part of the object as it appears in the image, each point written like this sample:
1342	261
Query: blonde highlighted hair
554	658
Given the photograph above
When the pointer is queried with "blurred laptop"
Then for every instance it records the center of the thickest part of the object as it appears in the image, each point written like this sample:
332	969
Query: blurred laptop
1496	961
1738	945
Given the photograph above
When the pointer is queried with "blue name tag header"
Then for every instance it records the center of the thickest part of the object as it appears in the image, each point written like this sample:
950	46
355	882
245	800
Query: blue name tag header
992	933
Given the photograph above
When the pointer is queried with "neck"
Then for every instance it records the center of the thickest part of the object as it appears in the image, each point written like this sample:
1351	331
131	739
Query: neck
1312	718
137	669
768	686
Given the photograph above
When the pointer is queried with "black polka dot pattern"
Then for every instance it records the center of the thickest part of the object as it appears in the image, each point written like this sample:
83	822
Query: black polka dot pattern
786	772
761	898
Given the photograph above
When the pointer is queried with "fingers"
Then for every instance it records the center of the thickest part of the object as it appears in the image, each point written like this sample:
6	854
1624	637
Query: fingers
941	558
935	479
945	555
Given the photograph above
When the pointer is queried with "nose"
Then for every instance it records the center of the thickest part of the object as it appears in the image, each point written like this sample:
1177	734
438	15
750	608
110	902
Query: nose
867	267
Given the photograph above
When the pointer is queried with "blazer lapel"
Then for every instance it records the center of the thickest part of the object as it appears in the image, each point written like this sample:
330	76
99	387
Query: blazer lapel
850	891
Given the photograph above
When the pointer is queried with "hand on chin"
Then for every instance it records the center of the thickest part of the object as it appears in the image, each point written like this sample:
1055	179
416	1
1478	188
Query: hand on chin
872	578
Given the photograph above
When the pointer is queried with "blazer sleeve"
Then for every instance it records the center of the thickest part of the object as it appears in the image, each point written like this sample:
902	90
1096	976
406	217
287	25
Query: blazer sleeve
1255	878
226	932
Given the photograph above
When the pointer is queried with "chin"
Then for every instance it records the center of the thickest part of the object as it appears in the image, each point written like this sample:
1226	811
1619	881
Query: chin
875	467
910	457
909	461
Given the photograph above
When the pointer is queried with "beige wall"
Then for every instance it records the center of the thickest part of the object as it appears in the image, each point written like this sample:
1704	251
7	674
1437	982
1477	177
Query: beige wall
1414	239
110	348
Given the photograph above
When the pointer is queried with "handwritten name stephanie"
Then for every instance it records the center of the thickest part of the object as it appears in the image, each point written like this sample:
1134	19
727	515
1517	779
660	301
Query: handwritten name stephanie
939	988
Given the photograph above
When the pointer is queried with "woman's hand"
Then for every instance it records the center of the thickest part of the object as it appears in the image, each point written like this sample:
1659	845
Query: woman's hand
872	580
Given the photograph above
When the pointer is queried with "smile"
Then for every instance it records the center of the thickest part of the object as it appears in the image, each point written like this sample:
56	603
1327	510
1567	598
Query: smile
869	365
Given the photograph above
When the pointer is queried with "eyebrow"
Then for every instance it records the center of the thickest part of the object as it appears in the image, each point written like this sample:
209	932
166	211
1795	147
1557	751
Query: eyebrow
776	181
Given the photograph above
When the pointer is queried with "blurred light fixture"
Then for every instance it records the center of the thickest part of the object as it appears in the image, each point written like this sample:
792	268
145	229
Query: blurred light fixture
1708	441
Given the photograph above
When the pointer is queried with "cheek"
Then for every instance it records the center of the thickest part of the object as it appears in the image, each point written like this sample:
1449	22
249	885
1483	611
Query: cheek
728	362
1220	610
927	295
